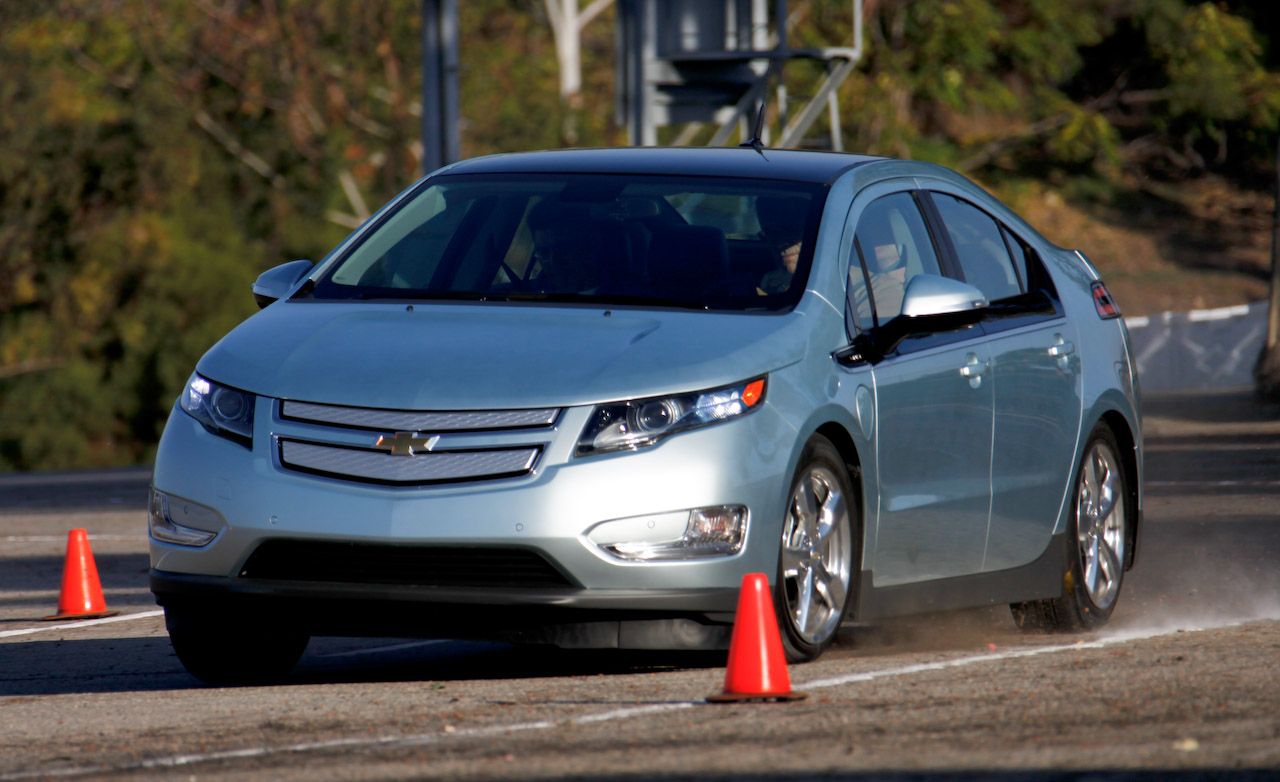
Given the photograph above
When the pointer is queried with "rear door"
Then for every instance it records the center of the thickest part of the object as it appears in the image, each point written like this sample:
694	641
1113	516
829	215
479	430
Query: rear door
1036	381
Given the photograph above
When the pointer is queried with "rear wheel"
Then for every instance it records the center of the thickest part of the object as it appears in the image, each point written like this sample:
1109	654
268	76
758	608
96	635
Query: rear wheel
1098	545
222	647
816	561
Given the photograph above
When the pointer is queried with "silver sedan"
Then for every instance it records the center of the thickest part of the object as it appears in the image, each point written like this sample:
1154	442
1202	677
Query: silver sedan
572	397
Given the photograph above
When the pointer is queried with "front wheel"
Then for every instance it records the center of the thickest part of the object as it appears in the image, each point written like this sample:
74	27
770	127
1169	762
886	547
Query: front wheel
222	647
1098	545
817	556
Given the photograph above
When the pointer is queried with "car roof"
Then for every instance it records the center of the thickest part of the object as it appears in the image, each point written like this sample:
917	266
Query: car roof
778	164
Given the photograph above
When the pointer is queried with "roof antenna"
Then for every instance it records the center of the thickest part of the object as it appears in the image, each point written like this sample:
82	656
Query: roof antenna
755	142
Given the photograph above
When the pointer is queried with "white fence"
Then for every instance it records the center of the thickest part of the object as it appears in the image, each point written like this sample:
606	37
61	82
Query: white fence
1200	349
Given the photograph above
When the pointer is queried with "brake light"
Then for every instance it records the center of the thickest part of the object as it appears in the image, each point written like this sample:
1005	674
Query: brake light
1103	302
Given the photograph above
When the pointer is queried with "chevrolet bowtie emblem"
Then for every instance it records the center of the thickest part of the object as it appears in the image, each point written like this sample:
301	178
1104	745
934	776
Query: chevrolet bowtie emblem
406	443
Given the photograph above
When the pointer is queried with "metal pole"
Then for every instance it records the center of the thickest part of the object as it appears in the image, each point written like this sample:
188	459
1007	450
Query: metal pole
439	83
1273	311
833	119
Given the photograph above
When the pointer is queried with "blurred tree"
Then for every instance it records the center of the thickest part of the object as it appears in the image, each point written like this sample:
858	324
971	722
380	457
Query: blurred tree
1027	87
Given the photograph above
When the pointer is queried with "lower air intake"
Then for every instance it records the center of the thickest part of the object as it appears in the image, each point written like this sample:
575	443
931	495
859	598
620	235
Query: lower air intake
428	566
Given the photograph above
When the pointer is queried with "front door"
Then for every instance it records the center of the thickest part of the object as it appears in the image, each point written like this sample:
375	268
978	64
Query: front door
933	408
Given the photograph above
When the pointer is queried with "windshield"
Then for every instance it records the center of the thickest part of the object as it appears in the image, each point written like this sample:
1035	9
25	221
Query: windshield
690	242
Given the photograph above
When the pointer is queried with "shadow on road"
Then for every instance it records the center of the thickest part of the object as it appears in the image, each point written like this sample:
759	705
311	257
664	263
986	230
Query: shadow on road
141	664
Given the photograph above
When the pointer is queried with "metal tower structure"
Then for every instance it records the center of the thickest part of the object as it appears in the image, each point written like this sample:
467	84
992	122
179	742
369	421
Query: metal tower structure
694	62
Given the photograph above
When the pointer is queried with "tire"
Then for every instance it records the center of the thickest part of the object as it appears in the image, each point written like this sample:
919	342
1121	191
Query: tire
1098	540
819	548
223	647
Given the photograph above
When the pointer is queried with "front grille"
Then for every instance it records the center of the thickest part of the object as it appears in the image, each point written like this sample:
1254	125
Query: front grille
381	467
427	566
448	446
416	420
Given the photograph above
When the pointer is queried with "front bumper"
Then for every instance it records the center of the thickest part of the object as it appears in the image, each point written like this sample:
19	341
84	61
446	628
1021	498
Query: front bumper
740	462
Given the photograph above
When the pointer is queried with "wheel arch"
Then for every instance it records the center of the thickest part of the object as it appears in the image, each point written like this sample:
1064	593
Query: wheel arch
841	436
839	426
1120	427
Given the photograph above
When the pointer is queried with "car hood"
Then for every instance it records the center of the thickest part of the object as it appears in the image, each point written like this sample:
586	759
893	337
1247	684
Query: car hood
485	356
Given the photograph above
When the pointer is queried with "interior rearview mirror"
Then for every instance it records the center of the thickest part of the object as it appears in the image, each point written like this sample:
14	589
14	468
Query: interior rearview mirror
276	282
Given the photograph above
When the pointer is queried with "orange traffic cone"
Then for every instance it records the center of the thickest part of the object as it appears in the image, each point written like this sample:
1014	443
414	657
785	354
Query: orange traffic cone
81	596
757	668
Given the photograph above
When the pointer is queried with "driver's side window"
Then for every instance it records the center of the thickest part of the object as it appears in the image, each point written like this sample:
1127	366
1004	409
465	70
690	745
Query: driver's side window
892	245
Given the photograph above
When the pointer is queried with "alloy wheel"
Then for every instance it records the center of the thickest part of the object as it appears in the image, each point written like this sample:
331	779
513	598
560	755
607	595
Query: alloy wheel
816	561
1100	524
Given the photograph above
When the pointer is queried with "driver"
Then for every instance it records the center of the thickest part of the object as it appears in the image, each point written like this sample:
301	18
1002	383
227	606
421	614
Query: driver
779	279
565	249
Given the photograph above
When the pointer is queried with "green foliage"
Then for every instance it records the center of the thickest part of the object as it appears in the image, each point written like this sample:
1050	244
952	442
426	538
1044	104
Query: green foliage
156	155
1110	86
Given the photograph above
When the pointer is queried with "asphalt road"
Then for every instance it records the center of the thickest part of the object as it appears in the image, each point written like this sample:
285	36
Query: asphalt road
1183	683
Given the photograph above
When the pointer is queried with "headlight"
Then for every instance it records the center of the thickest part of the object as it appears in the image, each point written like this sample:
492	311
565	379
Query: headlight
223	411
641	422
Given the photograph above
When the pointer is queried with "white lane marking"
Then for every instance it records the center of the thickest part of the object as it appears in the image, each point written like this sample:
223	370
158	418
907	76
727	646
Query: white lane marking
608	716
634	711
1221	313
1012	654
381	649
78	625
63	538
177	761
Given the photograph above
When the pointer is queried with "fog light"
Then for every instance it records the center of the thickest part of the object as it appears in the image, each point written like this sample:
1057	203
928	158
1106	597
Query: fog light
717	531
175	520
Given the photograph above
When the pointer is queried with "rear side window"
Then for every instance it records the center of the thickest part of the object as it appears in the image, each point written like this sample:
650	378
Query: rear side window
1019	254
893	245
980	248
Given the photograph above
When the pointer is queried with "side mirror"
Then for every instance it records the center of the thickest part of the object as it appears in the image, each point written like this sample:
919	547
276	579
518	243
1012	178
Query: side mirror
275	283
928	295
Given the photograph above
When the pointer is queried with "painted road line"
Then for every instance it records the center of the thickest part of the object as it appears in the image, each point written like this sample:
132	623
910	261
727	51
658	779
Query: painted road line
1221	313
63	538
78	625
1011	654
451	733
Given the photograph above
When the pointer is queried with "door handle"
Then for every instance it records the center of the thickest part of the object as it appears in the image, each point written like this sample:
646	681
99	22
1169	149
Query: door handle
973	370
1061	350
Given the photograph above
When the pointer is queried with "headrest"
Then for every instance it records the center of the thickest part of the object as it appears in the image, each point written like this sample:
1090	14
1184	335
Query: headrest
687	256
782	218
